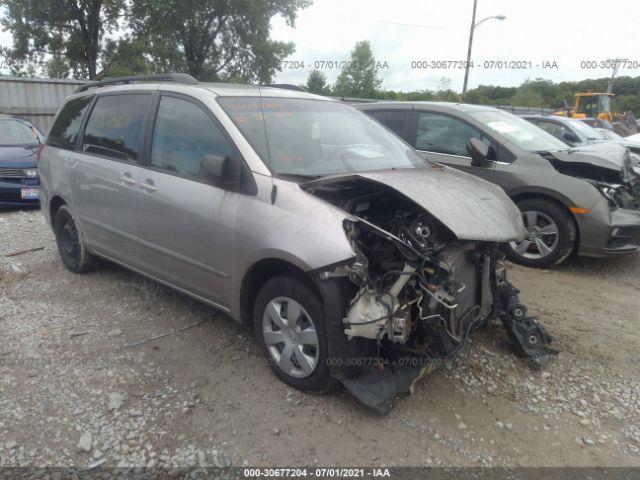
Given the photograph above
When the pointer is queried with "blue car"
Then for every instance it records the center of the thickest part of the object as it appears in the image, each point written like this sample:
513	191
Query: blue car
19	178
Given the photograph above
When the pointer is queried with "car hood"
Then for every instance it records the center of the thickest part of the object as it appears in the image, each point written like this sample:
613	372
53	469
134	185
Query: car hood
609	155
471	208
630	143
610	159
18	156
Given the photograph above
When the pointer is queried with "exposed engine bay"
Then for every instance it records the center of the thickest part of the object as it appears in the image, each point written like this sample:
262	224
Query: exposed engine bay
420	290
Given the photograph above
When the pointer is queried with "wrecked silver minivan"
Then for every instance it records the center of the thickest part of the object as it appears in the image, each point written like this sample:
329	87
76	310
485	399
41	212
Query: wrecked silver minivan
355	260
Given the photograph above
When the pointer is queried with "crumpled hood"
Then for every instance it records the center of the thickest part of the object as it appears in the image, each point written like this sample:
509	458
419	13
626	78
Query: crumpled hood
609	155
471	208
18	157
630	143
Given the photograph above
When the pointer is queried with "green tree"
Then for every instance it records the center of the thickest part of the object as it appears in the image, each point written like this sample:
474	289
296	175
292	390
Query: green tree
16	66
70	33
214	39
57	67
447	96
624	103
126	57
317	82
526	96
359	78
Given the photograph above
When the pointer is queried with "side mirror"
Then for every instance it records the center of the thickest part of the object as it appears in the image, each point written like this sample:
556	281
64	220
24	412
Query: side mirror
570	137
214	167
478	151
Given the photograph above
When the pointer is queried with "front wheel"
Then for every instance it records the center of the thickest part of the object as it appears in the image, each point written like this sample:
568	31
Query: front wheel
290	328
550	235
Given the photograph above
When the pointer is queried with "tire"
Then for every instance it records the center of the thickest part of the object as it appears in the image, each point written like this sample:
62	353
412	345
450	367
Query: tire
551	235
71	244
296	355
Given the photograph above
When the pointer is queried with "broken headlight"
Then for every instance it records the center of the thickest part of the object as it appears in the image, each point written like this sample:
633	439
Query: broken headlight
616	195
635	162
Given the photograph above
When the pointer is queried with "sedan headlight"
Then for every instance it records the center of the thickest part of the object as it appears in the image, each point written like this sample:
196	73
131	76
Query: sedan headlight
31	172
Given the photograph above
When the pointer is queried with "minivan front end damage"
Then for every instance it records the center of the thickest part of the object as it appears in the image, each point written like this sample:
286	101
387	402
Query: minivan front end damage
418	292
613	173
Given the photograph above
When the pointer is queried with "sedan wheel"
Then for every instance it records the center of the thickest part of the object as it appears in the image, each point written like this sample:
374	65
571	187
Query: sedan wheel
541	237
290	337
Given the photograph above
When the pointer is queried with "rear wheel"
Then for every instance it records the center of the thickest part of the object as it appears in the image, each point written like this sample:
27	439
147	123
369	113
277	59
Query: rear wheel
71	245
290	328
550	235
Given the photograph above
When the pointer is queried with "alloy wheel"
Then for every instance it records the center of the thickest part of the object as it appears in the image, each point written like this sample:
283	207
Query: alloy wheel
541	237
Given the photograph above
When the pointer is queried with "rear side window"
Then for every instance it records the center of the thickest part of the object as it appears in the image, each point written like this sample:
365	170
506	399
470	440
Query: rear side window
183	135
394	120
64	132
116	126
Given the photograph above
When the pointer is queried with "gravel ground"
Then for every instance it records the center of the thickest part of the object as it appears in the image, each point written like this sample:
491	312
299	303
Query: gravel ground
78	388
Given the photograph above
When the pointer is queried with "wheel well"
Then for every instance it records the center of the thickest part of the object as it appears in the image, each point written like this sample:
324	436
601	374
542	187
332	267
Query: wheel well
54	205
261	272
540	196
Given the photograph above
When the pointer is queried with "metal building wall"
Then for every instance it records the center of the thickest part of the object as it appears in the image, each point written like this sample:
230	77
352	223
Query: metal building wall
36	99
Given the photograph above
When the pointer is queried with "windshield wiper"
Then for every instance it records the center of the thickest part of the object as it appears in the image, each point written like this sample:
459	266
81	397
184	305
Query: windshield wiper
300	176
550	152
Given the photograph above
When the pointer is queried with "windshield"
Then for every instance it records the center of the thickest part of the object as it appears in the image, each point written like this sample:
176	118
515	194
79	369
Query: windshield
587	131
610	135
520	132
15	132
315	137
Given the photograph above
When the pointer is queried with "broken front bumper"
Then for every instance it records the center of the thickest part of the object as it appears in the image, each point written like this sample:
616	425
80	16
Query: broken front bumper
607	233
376	370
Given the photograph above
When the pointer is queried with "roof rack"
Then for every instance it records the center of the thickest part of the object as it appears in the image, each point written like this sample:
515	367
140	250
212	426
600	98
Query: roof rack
286	86
163	77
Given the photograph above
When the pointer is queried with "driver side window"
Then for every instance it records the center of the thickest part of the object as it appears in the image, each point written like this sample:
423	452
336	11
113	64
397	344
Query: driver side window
444	134
183	134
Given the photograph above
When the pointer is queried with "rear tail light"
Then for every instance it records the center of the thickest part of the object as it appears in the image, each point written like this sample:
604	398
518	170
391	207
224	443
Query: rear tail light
39	152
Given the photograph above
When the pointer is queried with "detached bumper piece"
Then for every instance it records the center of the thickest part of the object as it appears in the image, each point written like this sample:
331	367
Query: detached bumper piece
378	387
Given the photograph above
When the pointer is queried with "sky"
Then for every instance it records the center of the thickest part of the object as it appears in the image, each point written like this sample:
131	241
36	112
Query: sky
566	32
534	33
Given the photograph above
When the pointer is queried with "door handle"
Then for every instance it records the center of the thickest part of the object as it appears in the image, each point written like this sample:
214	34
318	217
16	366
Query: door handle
126	178
148	186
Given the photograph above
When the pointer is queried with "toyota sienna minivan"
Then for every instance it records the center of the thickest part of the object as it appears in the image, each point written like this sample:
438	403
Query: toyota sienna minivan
355	260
